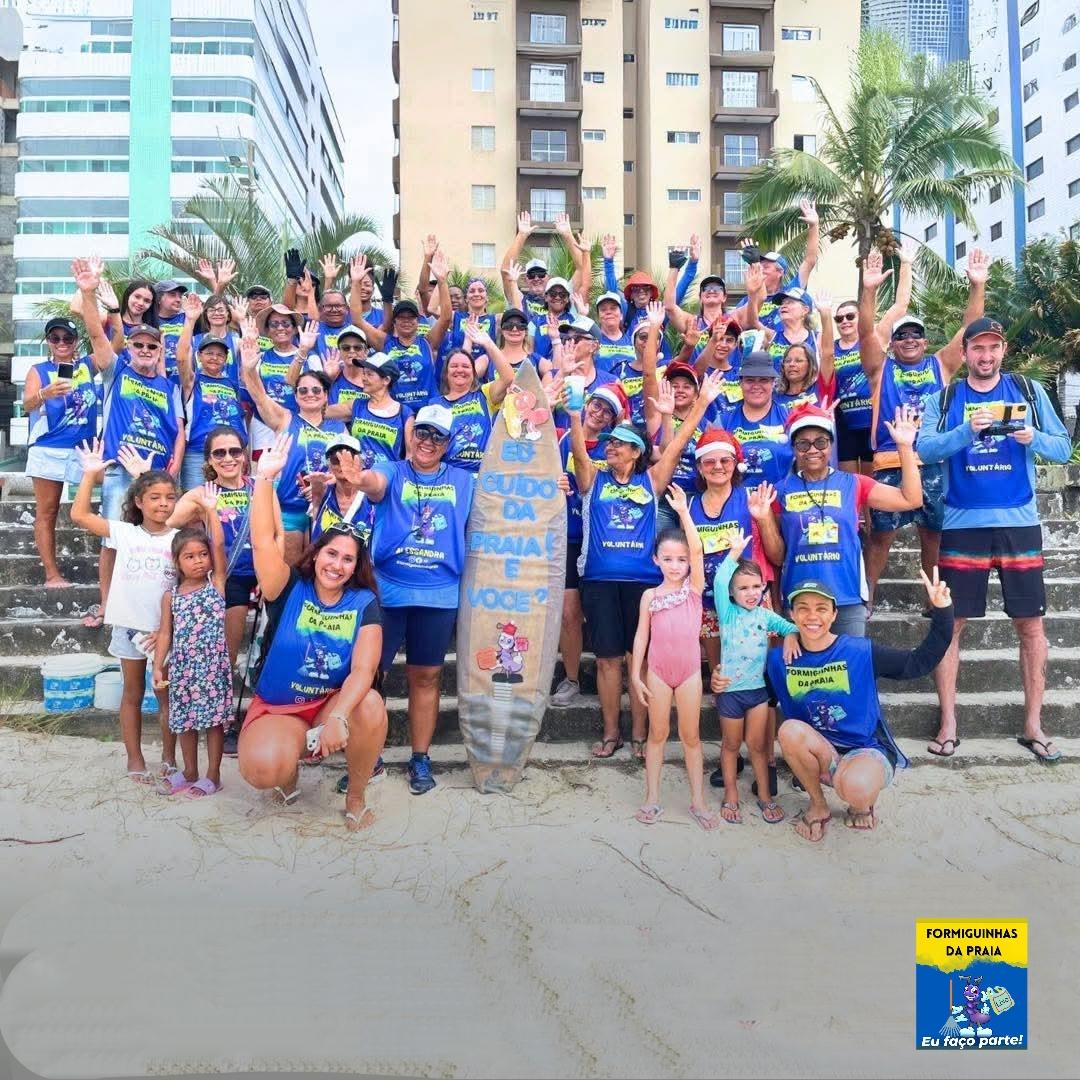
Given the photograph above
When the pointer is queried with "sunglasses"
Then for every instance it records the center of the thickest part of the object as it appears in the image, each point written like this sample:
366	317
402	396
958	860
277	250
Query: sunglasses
61	339
223	452
145	346
717	461
848	316
908	335
513	326
558	294
822	442
280	324
309	391
430	435
347	528
536	275
352	348
577	338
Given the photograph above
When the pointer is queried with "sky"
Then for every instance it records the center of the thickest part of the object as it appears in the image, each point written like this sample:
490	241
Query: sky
356	66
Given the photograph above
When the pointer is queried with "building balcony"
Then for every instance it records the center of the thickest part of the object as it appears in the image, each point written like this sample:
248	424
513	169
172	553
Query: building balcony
395	173
545	161
764	110
551	49
536	101
735	171
722	226
753	5
543	217
742	58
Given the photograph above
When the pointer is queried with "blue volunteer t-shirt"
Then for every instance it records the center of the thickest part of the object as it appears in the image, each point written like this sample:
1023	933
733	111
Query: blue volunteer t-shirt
67	421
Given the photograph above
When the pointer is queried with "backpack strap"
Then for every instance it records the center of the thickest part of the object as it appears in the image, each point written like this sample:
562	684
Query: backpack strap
1027	388
945	400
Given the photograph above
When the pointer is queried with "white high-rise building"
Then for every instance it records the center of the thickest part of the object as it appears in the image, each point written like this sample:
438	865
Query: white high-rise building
126	106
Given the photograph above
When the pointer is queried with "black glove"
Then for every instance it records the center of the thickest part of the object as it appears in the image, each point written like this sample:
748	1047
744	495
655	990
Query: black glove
676	259
751	253
294	264
387	285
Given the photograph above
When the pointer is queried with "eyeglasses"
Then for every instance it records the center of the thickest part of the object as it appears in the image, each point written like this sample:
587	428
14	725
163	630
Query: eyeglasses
576	338
712	290
352	348
717	461
220	453
558	294
430	435
145	346
280	324
61	339
333	305
848	316
822	442
347	528
908	335
309	391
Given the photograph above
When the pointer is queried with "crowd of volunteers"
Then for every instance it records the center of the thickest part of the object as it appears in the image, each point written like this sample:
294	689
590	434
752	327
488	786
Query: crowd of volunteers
734	475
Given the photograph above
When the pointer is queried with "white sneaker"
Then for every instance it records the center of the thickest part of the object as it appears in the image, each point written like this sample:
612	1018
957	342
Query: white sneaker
566	693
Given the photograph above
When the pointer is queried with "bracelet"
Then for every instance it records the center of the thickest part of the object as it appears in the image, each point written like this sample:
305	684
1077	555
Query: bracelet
344	720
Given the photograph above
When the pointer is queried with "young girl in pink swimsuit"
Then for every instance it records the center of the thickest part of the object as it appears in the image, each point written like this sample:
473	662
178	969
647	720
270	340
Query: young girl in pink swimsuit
669	626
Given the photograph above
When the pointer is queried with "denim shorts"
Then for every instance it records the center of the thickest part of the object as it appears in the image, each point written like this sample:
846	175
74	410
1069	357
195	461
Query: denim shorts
122	647
191	471
931	515
53	463
862	751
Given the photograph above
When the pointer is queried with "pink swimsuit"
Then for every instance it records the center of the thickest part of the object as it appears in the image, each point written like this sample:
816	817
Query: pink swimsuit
675	626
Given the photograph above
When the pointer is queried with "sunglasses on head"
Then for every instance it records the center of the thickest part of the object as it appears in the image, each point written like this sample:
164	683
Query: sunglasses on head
146	346
220	453
430	435
309	391
347	528
280	324
822	442
847	316
61	339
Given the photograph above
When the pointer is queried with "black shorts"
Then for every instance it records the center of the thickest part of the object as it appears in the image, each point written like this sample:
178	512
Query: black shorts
425	631
852	445
238	589
611	611
573	550
968	556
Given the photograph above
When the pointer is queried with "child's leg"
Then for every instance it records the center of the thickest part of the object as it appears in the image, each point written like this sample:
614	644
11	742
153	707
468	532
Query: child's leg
189	745
134	672
660	695
759	740
731	733
770	740
215	747
168	739
688	706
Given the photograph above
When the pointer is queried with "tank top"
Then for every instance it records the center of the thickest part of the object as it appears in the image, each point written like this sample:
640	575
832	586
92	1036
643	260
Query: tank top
171	329
381	438
233	507
573	496
903	384
469	431
615	354
213	401
619	530
853	401
140	413
780	345
330	513
67	421
765	444
416	384
273	367
717	533
307	454
632	381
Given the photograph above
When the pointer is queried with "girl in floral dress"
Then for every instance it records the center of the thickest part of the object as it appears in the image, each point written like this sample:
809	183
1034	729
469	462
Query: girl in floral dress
191	644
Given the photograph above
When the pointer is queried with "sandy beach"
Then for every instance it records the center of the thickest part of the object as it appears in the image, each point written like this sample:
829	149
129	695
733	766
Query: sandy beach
538	934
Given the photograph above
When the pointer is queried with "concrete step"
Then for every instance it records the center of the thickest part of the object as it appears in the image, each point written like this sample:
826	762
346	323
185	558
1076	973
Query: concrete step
19	540
910	714
36	605
908	596
25	570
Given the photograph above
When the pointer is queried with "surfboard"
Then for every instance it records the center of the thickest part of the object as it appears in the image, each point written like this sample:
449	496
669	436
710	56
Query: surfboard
512	588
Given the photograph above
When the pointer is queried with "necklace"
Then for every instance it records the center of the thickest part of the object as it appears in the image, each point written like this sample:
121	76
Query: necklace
824	494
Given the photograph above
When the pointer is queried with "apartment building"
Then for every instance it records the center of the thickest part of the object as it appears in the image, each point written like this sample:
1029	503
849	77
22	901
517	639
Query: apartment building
936	28
126	106
636	117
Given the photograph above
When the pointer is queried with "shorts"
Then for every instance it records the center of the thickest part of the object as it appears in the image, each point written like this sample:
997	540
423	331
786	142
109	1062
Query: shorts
573	550
850	620
191	470
931	515
53	463
968	556
238	589
735	704
611	614
852	444
666	518
308	711
113	489
862	751
425	631
295	521
710	625
122	647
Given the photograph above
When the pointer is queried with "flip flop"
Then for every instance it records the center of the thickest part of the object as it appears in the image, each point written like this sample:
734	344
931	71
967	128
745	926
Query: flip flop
143	776
850	816
734	806
705	818
637	747
201	788
355	822
945	749
803	820
773	808
650	814
1049	757
601	750
94	617
287	798
172	784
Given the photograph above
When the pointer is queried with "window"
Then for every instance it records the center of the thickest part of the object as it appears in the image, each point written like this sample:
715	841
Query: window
806	143
1030	48
545	203
680	24
740	150
1074	231
992	117
961	249
1032	129
734	269
1031	89
930	232
627	166
739	89
1070	22
483	79
682	194
802	89
1029	13
628	219
483	255
796	33
628	58
741	38
995	192
1034	169
483	138
592	76
682	78
1070	62
593	135
691	137
1074	189
592	194
1072	101
547	29
483	196
628	113
1073	145
548	146
733	207
547	82
1036	209
995	231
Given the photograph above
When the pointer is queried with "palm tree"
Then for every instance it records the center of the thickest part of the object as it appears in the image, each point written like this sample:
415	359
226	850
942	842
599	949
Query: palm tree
913	135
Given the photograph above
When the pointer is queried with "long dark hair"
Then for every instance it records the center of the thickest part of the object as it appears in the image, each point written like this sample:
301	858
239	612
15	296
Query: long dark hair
217	432
363	576
149	316
139	487
811	363
202	324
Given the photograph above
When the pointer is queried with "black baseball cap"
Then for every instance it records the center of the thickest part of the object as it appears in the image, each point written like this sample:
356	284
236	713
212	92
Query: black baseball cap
985	325
513	313
712	279
212	339
62	324
405	307
258	290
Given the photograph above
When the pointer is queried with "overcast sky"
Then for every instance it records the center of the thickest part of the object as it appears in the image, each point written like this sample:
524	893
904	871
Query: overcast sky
356	64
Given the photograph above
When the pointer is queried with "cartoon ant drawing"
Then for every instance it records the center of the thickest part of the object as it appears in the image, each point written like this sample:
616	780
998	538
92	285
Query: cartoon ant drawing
623	515
508	654
974	1006
143	421
428	524
826	716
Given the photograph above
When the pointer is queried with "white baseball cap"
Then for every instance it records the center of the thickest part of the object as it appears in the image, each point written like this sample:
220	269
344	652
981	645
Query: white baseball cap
437	416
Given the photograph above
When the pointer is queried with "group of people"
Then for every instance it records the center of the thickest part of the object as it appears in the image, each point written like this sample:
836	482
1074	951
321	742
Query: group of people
316	455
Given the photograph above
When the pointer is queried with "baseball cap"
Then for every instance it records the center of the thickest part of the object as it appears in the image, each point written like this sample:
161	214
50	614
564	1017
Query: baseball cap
514	313
61	323
613	297
624	433
758	365
535	264
680	369
142	330
383	364
985	325
612	395
794	292
352	331
730	327
712	279
716	440
257	290
212	339
558	283
908	320
169	285
814	587
776	257
405	307
344	441
581	325
809	416
438	417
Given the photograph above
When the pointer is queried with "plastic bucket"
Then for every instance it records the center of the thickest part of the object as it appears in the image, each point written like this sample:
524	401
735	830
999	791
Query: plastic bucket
108	690
149	701
68	682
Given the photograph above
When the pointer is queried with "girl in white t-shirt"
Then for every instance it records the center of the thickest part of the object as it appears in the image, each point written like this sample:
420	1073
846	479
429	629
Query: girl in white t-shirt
143	573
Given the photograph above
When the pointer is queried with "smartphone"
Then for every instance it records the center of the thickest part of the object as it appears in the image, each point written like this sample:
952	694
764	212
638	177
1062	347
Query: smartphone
1013	418
65	371
313	739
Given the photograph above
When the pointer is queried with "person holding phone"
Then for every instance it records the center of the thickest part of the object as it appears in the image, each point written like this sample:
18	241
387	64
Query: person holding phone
988	429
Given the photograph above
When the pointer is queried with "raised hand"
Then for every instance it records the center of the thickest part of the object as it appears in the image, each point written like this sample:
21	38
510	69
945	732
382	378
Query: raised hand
908	250
978	267
562	226
695	247
205	272
677	499
738	545
654	313
207	496
358	268
692	334
808	211
936	590
665	403
440	265
387	285
749	251
250	353
823	301
476	334
873	274
712	386
107	295
524	223
86	277
556	391
249	330
330	267
904	428
305	286
578	302
514	271
294	264
332	364
608	246
760	501
351	467
226	271
309	336
193	306
238	308
754	279
272	460
132	462
430	246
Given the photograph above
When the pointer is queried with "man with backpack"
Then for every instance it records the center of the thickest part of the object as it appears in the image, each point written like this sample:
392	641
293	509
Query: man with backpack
987	430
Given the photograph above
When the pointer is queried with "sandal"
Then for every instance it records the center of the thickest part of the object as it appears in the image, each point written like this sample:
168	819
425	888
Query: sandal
771	812
729	811
287	798
704	817
1048	756
356	822
141	776
945	747
601	748
94	618
851	816
637	747
172	783
201	788
650	814
805	828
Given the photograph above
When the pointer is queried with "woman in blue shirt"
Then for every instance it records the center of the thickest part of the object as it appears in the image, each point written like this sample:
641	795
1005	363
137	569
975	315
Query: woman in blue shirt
319	669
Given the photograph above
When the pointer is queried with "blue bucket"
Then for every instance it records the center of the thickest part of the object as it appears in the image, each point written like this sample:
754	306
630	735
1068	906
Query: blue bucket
68	682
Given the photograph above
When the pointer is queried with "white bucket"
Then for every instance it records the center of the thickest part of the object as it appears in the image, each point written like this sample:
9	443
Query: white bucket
68	682
109	689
